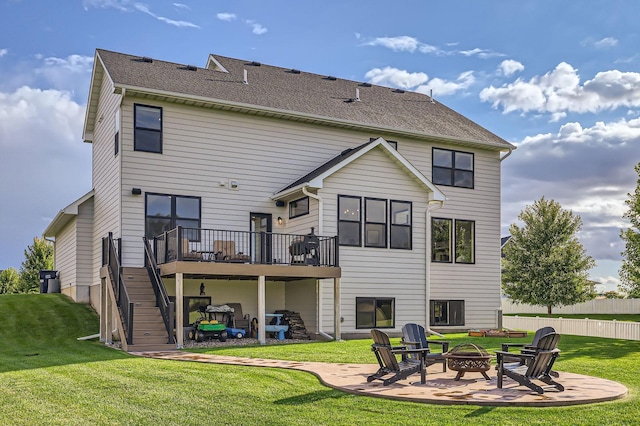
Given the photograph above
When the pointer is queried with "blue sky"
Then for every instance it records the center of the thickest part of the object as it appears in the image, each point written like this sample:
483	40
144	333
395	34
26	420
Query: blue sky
561	80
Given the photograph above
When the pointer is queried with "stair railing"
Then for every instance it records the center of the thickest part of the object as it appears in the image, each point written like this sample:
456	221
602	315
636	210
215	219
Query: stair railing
166	307
111	259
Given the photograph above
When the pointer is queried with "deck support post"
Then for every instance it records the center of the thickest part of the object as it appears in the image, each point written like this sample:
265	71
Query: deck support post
179	310
337	319
261	310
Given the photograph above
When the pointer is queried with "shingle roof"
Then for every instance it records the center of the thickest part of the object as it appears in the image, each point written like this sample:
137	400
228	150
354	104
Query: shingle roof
290	91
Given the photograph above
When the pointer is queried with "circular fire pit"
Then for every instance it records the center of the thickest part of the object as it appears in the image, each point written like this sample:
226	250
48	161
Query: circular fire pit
468	357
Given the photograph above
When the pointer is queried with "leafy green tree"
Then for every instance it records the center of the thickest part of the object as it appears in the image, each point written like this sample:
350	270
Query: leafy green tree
612	294
630	269
9	281
544	263
38	256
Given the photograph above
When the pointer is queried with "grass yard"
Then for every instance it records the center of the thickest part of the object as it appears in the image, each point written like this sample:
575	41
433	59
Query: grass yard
49	377
601	317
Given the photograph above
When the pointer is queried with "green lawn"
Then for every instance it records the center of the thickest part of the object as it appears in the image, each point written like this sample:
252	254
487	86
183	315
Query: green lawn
49	377
602	317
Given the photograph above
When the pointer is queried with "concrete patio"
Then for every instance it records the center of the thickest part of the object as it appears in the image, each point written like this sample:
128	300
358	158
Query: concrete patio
440	388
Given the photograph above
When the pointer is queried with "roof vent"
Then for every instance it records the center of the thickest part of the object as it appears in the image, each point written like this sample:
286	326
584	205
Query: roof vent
294	71
398	91
357	98
245	79
330	77
365	84
346	151
147	59
191	68
255	64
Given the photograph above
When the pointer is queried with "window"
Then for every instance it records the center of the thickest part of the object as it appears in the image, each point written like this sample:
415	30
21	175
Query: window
165	212
349	220
374	312
447	312
465	241
441	240
116	142
299	207
375	223
401	228
452	168
148	129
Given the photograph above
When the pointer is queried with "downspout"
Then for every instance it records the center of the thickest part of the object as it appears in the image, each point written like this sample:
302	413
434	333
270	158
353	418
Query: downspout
432	205
319	318
506	155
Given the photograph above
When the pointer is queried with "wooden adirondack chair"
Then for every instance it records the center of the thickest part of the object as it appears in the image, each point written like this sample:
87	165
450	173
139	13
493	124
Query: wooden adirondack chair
530	347
536	364
391	370
414	336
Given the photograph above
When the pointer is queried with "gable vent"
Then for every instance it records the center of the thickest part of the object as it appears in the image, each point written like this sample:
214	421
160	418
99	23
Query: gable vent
255	64
330	78
398	91
147	59
294	71
365	84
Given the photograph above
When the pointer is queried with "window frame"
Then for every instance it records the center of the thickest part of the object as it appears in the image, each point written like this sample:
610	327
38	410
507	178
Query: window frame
374	300
291	203
434	241
472	259
173	216
453	169
359	221
460	308
393	226
368	222
147	129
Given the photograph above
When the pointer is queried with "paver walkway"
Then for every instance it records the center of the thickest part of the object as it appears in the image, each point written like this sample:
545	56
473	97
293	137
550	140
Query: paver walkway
440	388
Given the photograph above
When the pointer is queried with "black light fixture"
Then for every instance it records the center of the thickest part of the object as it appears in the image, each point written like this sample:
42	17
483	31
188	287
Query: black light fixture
279	203
136	191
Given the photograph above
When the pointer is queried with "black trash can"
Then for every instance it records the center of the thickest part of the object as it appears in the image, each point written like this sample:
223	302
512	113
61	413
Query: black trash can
46	278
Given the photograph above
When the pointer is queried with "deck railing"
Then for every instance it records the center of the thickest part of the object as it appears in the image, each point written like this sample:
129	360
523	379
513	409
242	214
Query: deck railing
111	259
262	248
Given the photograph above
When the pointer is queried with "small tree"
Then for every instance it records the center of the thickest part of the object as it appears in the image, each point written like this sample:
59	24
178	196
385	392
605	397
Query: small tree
9	281
612	294
630	269
38	256
544	262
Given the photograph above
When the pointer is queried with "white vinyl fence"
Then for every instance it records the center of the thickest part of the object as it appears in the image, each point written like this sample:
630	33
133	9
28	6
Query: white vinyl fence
595	306
578	327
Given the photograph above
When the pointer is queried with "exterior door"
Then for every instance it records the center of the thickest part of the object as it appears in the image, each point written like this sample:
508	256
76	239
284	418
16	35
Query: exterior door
261	225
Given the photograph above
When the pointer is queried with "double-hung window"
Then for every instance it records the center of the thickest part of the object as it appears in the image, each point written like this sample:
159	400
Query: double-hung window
451	241
453	168
401	228
441	240
299	207
165	212
375	224
349	220
465	241
147	128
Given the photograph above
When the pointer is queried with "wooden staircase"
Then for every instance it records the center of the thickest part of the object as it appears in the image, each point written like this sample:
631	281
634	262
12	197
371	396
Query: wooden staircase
149	331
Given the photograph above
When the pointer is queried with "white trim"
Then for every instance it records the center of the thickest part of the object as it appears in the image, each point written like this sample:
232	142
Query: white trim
217	66
65	215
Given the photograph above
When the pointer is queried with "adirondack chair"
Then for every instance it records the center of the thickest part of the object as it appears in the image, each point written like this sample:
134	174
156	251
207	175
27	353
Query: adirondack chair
529	347
415	337
537	367
391	370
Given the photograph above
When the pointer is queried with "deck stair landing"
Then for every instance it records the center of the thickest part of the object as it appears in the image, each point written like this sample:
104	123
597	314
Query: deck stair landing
149	332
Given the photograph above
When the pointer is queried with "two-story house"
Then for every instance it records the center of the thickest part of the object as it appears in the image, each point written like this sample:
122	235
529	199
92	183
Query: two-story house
356	205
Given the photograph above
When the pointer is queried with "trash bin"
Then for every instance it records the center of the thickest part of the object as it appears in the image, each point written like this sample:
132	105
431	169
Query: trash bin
46	279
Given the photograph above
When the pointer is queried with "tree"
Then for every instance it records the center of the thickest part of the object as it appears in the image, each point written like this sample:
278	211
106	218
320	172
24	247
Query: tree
9	281
544	262
612	294
38	256
630	269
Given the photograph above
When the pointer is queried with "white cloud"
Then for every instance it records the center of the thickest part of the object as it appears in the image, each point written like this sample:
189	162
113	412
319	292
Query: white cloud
3	52
255	27
560	91
509	67
403	44
480	53
606	43
442	87
226	16
181	6
104	4
70	73
395	77
587	169
180	24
